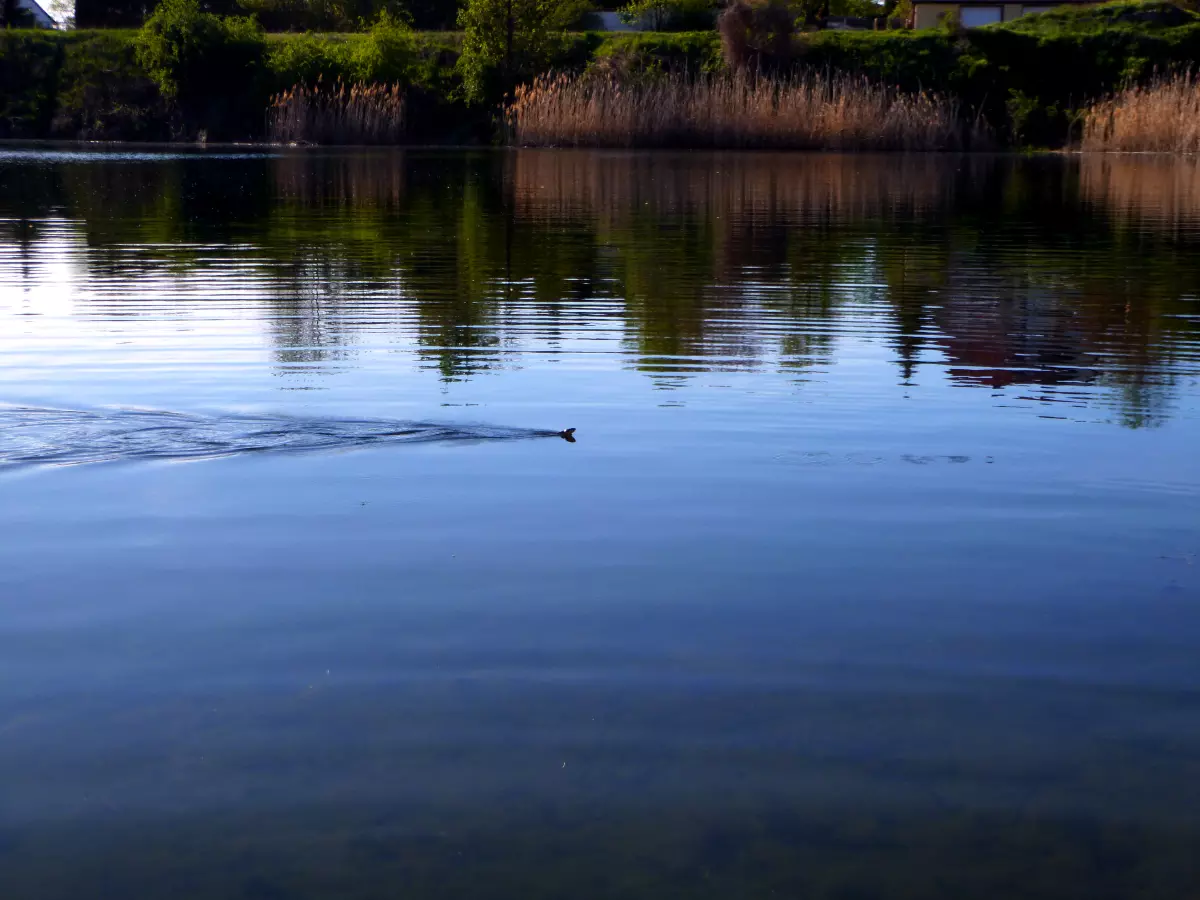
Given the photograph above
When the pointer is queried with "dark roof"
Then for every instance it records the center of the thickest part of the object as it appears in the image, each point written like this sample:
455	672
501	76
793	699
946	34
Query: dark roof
41	17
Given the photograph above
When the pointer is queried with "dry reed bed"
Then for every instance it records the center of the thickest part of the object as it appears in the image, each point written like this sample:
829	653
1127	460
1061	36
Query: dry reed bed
337	114
1162	117
807	112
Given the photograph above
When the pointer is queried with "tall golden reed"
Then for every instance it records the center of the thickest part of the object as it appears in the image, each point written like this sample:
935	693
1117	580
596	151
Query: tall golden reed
813	111
1161	117
337	114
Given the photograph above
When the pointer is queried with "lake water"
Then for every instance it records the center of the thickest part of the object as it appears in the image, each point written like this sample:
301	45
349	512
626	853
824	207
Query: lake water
871	573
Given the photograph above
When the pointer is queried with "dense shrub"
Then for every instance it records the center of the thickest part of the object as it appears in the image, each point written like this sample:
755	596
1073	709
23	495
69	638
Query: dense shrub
104	94
633	52
757	35
318	15
303	58
190	53
385	54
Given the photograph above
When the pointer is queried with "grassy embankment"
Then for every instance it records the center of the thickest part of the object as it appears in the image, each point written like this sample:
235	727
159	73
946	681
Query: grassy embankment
1030	81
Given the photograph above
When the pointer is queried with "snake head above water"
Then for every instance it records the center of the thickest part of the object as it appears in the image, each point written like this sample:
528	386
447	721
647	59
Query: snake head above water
568	435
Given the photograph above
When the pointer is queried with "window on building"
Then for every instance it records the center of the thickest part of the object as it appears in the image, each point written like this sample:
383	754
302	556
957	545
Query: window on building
975	16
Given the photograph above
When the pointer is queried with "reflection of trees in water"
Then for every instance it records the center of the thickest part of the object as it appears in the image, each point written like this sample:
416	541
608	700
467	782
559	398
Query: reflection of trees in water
304	324
23	193
713	254
1000	272
1041	289
112	206
1044	321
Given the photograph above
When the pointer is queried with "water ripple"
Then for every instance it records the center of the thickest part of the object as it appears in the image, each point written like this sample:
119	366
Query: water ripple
57	437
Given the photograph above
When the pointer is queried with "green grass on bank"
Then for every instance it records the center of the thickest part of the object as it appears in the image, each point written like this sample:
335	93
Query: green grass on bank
1026	78
1152	15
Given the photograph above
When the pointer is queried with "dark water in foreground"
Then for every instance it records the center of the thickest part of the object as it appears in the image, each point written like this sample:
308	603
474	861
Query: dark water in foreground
872	573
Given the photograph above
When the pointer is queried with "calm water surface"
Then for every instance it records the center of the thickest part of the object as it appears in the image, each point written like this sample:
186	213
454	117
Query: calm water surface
871	574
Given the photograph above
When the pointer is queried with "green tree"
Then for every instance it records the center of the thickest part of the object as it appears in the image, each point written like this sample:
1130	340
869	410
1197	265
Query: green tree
507	42
207	64
670	15
189	51
319	15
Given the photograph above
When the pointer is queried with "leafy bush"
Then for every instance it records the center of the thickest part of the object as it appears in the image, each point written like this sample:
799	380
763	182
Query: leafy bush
650	51
103	94
319	15
757	35
506	42
192	54
388	52
301	59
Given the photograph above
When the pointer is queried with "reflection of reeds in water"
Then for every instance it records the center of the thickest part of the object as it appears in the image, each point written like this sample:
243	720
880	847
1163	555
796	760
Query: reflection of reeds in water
367	179
1158	193
1163	117
337	114
731	187
812	112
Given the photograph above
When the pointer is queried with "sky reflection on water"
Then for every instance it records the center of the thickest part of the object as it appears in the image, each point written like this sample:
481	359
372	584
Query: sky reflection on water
871	573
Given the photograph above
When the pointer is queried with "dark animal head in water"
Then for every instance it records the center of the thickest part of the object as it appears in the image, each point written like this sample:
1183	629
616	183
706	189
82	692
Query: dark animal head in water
568	435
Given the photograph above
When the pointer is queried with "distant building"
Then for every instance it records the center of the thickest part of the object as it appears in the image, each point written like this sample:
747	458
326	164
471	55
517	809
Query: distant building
853	23
609	20
974	13
40	18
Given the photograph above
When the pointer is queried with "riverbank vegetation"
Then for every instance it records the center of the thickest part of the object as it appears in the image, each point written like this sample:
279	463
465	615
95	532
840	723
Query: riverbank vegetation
192	74
337	114
813	111
1163	116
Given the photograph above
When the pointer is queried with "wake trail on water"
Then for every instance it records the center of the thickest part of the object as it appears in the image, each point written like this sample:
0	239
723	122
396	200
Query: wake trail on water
31	436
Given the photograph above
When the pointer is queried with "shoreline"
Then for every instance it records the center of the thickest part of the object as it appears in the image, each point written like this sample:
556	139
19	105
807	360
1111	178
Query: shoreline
272	150
1026	81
